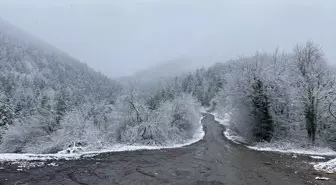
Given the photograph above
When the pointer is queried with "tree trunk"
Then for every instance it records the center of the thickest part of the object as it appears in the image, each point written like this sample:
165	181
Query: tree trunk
311	124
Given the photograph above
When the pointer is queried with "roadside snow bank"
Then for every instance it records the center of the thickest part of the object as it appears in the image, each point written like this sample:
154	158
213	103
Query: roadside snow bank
228	133
223	120
232	136
12	157
285	147
282	147
317	157
329	166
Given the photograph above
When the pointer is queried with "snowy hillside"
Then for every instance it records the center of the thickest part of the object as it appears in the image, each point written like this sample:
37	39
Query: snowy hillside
23	56
50	102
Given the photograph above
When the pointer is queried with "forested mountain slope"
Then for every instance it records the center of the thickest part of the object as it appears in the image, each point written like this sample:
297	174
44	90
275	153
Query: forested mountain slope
26	59
48	101
39	85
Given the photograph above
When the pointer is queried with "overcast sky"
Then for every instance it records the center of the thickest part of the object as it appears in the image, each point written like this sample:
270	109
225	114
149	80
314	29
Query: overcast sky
118	37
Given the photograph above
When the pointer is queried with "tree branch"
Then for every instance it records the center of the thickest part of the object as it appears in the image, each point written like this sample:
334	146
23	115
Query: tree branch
330	104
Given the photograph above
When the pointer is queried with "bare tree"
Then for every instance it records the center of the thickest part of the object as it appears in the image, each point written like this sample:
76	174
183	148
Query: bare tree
315	85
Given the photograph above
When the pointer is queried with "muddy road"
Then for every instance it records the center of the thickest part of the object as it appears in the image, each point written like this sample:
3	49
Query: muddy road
213	160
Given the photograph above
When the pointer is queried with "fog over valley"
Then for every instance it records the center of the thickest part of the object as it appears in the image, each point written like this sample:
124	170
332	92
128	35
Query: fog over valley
119	38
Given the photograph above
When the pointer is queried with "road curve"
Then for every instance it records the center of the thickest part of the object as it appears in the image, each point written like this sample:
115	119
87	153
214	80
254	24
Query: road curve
211	161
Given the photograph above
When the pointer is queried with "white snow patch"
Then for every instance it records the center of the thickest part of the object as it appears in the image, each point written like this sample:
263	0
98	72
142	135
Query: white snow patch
10	157
28	165
317	157
52	164
77	154
228	133
329	166
291	148
72	150
322	178
223	120
234	137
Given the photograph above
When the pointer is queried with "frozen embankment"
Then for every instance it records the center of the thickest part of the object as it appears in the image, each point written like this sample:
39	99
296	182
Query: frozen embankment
328	167
12	157
229	134
281	147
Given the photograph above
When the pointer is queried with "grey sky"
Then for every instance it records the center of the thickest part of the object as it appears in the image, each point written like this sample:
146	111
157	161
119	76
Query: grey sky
120	37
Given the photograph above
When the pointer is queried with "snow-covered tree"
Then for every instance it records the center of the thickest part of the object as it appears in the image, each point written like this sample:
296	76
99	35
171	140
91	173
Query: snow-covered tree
316	86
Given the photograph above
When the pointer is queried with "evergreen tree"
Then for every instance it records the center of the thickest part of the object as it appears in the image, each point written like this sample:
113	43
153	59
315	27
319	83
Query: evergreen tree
61	106
6	115
45	116
263	129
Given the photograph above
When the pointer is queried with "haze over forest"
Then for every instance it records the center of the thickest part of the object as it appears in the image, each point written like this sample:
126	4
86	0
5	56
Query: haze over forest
119	38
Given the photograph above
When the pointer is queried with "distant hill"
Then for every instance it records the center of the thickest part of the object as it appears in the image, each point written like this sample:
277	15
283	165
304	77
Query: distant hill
161	72
167	69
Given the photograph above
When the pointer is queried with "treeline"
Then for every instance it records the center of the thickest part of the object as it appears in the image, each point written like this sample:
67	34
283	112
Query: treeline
272	97
282	96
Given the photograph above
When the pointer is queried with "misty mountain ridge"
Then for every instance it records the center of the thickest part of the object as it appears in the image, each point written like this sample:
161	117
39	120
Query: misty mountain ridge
49	101
169	68
164	71
18	35
23	54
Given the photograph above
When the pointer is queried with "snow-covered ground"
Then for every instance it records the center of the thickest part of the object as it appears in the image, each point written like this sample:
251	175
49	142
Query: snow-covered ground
282	147
11	157
322	178
328	167
317	157
293	148
229	134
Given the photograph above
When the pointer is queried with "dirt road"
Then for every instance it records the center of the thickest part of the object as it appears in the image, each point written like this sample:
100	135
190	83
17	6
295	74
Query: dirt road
214	160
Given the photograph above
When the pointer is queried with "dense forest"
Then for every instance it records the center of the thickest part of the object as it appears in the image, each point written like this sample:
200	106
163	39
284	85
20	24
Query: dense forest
49	100
277	97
